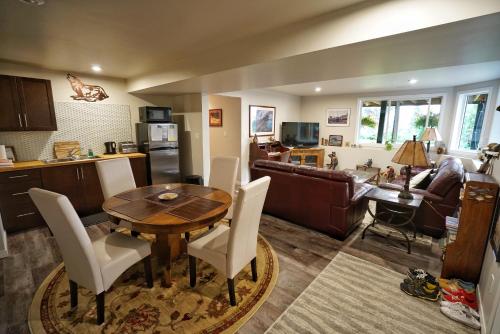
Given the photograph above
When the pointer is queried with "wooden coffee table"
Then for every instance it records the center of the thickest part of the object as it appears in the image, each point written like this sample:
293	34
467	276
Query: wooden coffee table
195	207
394	207
361	176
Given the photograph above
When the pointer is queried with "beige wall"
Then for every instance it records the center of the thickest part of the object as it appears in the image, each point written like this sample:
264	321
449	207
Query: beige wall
61	89
226	140
287	109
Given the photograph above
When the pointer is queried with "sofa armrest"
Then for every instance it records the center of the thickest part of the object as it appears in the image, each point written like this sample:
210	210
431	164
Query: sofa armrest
427	195
360	190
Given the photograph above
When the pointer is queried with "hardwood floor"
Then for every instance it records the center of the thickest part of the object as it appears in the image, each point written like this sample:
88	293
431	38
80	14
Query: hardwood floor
302	255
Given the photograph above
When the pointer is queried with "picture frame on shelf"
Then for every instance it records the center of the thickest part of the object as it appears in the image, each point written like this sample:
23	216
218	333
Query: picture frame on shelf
215	117
262	120
338	116
11	153
335	140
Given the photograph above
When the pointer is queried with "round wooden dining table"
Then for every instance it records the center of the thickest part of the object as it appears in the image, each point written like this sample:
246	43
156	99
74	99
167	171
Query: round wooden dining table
194	208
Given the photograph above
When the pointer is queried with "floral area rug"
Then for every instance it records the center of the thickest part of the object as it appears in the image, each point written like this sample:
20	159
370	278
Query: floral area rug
131	307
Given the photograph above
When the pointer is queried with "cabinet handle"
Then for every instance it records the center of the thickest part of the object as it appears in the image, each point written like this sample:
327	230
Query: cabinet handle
25	214
78	173
19	194
18	176
81	171
25	120
20	122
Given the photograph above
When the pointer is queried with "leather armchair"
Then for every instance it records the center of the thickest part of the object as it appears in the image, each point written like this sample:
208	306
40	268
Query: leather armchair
324	200
441	197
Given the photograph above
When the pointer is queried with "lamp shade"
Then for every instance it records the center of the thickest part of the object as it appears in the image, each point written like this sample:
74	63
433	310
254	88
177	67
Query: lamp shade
412	153
431	134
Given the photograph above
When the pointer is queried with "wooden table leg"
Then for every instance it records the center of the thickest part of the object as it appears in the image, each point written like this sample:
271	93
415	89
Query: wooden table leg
169	247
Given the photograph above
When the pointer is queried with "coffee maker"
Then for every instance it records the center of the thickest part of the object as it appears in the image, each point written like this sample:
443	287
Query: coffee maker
110	147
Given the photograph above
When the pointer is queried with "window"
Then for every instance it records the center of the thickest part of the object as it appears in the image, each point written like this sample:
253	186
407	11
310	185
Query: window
397	119
470	116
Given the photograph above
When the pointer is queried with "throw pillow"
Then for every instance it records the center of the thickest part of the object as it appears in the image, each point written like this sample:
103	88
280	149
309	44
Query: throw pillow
415	181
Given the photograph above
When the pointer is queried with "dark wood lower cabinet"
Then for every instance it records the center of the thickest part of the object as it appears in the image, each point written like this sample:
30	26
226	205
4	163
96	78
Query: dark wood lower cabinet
17	209
79	182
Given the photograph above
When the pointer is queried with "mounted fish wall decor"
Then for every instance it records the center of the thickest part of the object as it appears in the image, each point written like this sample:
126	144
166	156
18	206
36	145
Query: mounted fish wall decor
89	93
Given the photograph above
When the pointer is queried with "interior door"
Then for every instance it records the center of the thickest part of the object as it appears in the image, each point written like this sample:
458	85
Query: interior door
10	111
37	104
65	180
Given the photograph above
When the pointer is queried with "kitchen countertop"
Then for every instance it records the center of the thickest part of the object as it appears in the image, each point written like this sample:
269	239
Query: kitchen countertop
40	164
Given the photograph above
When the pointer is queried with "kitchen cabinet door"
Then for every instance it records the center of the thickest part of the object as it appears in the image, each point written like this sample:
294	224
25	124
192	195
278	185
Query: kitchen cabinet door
37	105
139	169
10	111
65	180
91	189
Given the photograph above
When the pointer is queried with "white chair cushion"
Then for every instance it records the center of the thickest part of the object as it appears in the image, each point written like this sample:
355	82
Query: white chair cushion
212	247
116	253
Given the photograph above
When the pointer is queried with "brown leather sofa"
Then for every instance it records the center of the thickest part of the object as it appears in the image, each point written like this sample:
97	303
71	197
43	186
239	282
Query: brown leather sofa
324	200
441	197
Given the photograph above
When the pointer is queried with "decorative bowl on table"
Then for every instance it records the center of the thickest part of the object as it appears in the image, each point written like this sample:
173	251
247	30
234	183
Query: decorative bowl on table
168	196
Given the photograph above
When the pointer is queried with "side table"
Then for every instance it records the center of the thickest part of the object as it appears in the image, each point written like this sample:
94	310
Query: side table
394	207
370	169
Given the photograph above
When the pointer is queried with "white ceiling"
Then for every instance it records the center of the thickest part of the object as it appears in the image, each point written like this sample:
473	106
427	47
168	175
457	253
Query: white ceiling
429	78
130	38
436	55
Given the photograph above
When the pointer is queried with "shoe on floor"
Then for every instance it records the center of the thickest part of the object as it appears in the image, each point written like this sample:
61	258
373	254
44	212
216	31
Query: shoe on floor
461	316
421	282
450	285
464	299
419	291
417	273
460	306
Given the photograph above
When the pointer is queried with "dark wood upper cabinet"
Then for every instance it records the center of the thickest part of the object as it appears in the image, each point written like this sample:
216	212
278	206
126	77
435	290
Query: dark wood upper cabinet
27	104
10	110
37	104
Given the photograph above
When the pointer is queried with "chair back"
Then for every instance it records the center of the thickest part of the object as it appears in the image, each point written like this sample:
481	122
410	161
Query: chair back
242	244
285	156
73	241
223	172
115	176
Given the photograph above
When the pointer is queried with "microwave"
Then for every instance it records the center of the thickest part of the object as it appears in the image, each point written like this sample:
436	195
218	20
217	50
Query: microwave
155	114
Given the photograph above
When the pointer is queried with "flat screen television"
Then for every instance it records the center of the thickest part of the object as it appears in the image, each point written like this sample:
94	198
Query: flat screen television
300	134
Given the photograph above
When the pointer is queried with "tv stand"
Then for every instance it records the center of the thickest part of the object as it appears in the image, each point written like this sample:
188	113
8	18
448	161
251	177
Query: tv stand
308	156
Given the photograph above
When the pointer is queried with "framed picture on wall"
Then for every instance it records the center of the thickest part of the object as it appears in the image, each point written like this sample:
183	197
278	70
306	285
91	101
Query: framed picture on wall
262	121
215	117
11	153
335	140
338	116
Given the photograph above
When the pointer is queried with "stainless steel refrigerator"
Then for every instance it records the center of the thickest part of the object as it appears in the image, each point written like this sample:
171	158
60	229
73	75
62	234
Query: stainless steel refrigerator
160	141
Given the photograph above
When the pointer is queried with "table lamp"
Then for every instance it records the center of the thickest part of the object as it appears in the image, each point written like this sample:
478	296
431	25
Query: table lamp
430	134
412	154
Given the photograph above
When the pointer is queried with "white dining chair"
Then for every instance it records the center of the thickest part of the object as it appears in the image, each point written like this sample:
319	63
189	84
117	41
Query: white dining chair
94	265
230	249
116	176
223	173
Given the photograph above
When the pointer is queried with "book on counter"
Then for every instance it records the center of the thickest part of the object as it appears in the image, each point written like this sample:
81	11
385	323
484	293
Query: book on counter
452	223
6	163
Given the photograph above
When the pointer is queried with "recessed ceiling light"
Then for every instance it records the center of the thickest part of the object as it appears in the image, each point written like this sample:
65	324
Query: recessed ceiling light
33	2
96	68
317	89
412	81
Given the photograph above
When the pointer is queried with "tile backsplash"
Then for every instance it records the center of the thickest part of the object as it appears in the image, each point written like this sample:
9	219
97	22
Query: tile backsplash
90	124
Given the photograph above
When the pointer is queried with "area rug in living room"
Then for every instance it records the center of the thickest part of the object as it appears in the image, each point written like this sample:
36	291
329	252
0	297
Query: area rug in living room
132	307
352	295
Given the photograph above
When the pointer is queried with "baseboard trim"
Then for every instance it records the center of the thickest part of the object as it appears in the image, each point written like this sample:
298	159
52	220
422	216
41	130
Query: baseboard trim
481	313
